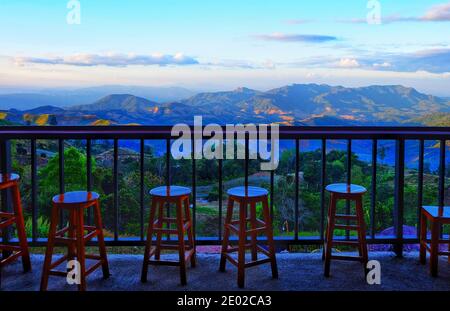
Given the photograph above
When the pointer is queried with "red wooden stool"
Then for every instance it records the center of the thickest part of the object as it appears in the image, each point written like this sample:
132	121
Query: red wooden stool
11	182
163	196
246	196
437	216
77	235
352	193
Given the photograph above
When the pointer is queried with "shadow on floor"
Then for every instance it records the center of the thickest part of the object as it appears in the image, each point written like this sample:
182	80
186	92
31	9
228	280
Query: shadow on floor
298	272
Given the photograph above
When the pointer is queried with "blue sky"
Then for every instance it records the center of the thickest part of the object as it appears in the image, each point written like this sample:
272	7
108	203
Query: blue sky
225	44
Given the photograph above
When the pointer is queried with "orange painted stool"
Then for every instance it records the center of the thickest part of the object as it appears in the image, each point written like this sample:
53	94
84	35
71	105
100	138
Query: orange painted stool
248	196
352	193
164	196
437	216
78	235
11	182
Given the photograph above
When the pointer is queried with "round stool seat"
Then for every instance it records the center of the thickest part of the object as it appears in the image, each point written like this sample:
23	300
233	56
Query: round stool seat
171	191
9	177
75	197
345	189
249	192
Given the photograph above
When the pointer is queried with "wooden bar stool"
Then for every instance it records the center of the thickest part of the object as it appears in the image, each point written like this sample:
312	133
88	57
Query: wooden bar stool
248	196
351	193
161	197
11	182
75	235
437	216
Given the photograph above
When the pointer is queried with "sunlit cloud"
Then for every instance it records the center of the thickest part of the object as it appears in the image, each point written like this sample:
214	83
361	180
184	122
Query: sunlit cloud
111	60
433	61
348	63
437	13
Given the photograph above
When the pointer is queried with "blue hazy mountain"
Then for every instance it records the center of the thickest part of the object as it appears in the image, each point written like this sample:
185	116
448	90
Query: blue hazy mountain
34	98
297	104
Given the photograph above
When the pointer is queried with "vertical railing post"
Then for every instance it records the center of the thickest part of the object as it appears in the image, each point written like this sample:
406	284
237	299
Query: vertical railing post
168	180
373	193
34	211
5	168
116	188
297	190
420	185
442	177
194	190
142	187
62	186
349	181
220	172
323	168
399	195
89	175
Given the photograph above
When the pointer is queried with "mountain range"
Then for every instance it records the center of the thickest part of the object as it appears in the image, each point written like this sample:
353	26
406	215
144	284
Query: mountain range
297	104
34	98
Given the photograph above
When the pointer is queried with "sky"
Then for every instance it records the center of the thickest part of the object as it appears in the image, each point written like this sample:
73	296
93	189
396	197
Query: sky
212	45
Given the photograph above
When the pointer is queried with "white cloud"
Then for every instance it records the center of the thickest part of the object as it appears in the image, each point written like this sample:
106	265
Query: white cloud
110	59
382	65
440	12
348	63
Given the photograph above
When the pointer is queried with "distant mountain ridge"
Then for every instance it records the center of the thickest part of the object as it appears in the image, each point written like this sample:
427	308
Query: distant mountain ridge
296	104
66	98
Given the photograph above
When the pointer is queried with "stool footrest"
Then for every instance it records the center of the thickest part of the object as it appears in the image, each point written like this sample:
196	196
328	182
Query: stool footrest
347	227
188	253
10	220
345	243
248	246
345	216
60	238
235	229
64	258
247	264
186	226
11	258
12	248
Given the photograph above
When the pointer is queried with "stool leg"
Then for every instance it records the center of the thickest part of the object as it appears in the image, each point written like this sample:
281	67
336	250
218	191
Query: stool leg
254	234
159	233
81	256
241	245
72	249
50	246
362	232
326	231
423	239
269	235
434	257
190	231
330	232
20	225
148	243
226	235
101	240
181	248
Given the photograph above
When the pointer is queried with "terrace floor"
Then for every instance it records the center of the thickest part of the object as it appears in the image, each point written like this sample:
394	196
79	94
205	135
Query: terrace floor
298	272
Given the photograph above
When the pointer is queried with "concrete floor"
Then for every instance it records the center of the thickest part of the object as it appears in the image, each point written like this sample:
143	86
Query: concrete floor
298	272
